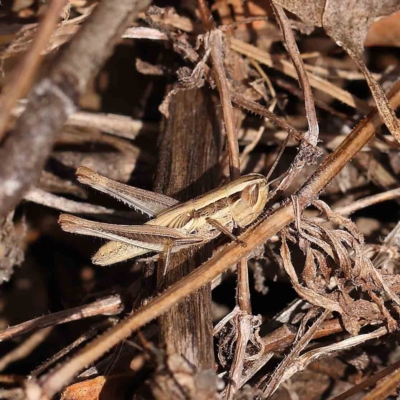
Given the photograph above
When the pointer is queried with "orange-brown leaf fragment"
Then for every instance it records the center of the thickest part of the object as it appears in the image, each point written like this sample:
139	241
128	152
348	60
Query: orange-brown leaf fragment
112	387
85	390
385	32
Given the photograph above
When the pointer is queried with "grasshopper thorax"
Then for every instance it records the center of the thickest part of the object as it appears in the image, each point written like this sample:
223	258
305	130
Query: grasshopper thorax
247	204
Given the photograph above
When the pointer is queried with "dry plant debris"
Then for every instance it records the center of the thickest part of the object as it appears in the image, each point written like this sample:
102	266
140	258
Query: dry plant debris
258	146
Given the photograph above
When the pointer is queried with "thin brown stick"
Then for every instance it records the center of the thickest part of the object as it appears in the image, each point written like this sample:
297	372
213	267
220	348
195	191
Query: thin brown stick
268	82
386	388
368	382
52	99
228	256
21	78
93	331
264	112
242	288
246	21
205	15
224	93
107	306
311	135
25	348
277	158
293	50
244	329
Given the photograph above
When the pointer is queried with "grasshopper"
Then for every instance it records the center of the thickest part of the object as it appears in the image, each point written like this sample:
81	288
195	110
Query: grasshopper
175	225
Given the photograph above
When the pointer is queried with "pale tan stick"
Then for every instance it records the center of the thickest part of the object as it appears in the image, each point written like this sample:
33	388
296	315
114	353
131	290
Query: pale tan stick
118	125
368	201
277	376
287	68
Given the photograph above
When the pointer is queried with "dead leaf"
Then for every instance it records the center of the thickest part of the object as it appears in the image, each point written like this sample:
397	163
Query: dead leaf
110	387
306	293
385	32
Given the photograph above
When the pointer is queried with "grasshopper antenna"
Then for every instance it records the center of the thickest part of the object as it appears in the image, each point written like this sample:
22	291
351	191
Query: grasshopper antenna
278	157
280	177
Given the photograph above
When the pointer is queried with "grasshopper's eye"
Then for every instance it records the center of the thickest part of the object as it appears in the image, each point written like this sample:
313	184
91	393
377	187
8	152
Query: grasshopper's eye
250	195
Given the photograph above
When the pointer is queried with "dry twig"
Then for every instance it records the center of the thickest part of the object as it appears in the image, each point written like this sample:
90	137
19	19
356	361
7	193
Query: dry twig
25	348
109	305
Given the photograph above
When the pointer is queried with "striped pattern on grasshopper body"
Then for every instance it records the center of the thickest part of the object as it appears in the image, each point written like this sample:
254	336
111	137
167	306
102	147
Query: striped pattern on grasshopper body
176	225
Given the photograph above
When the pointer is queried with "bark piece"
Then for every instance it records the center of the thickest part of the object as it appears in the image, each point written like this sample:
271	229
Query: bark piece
189	151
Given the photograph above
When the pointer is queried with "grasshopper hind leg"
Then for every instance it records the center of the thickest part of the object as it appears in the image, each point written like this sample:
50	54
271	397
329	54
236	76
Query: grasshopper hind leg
225	231
163	262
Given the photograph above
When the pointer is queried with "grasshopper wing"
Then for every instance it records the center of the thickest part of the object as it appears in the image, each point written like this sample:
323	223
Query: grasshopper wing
149	203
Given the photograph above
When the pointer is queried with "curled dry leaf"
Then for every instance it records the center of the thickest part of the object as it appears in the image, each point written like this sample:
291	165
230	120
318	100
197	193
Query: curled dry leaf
227	331
304	292
337	275
347	23
339	219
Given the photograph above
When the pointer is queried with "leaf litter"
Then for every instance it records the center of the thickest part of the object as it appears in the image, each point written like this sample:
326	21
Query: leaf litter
346	283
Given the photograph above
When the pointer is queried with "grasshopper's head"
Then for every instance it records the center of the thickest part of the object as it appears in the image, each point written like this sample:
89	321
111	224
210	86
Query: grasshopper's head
248	203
